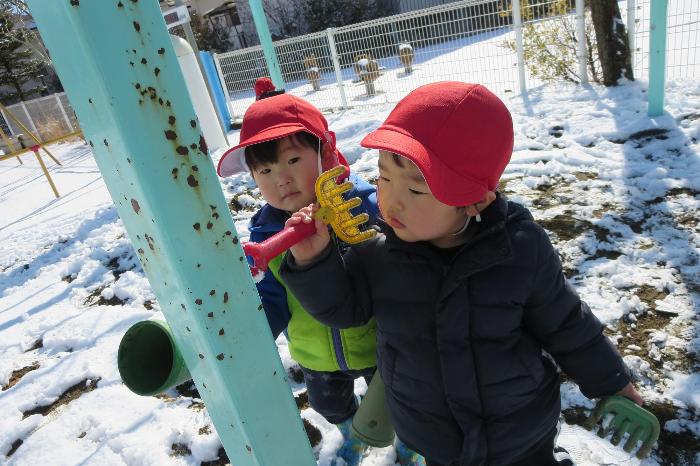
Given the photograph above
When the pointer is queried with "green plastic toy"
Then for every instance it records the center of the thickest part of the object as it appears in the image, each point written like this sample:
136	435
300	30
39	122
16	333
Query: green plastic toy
628	418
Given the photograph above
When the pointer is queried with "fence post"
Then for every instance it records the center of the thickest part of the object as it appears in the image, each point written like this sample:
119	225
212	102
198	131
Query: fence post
581	46
224	85
657	56
336	65
631	26
518	27
63	112
29	117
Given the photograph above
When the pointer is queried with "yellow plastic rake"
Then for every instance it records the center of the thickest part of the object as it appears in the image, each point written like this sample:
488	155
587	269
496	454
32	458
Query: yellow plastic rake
333	210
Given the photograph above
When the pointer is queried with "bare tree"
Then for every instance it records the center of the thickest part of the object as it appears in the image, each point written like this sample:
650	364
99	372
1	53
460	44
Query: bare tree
613	44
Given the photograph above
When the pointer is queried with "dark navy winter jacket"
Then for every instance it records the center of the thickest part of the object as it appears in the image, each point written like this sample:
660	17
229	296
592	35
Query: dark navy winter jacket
270	220
460	341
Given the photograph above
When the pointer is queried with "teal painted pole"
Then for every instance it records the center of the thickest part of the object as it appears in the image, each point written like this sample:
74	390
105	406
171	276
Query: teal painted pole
657	56
117	64
266	42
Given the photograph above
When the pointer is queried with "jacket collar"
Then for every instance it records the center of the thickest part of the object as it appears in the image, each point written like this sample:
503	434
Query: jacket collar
488	245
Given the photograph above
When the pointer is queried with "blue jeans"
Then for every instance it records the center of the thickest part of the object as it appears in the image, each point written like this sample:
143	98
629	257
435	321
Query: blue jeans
332	394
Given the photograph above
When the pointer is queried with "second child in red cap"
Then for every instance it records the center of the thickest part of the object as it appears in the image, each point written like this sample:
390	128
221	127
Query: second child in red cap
474	316
285	143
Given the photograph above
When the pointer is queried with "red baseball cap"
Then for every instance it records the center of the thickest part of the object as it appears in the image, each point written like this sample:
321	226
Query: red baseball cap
459	135
273	118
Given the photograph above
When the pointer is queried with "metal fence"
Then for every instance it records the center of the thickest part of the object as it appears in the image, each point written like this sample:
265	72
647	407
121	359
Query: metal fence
49	117
379	61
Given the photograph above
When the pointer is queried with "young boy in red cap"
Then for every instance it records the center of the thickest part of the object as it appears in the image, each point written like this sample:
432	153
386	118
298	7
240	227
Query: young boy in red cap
285	143
471	304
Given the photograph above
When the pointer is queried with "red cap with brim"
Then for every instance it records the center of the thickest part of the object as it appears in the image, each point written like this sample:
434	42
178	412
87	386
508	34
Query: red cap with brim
464	191
459	135
273	118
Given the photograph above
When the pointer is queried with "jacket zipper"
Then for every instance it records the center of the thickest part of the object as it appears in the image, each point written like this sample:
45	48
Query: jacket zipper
338	348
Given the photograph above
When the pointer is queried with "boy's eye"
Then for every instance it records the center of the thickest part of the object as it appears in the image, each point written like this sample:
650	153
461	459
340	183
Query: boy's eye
293	160
264	171
383	178
413	191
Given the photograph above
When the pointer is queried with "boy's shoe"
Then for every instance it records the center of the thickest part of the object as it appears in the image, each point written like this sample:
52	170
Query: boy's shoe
406	456
353	448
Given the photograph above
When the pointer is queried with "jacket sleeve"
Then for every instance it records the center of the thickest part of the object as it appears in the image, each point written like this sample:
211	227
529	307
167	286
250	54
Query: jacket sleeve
569	331
274	301
273	297
334	289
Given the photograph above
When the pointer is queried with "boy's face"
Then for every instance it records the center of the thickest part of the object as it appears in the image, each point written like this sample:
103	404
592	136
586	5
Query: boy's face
408	206
288	184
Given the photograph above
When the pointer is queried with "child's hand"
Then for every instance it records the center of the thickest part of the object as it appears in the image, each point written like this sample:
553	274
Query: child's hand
306	251
630	392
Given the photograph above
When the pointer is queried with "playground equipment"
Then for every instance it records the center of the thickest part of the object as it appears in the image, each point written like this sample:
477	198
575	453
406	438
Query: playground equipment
34	148
406	56
121	73
197	88
626	417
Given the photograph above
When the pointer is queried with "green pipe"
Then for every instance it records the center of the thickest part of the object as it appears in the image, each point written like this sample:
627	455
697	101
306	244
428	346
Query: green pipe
148	359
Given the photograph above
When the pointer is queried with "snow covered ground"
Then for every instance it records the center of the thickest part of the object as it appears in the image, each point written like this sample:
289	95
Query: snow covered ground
619	193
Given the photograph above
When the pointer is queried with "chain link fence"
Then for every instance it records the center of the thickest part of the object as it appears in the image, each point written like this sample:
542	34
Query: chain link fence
50	117
379	61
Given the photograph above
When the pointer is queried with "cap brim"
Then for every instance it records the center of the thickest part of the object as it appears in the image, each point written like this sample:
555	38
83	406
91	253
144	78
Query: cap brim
447	187
233	160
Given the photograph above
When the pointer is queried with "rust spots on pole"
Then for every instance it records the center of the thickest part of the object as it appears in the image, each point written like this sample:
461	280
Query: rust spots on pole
170	134
150	242
135	205
210	314
212	292
75	2
174	172
156	71
137	26
209	225
220	356
202	145
260	307
221	332
235	240
120	5
161	51
193	146
196	226
105	142
144	61
182	150
193	123
225	297
171	120
192	181
198	302
201	356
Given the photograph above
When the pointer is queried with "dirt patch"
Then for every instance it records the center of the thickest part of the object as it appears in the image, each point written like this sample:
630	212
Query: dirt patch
302	401
313	433
17	375
15	445
36	345
206	430
566	227
649	295
674	447
96	299
180	449
639	334
586	176
72	393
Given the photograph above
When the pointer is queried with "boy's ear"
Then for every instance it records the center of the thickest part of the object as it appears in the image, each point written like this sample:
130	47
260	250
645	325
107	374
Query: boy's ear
478	207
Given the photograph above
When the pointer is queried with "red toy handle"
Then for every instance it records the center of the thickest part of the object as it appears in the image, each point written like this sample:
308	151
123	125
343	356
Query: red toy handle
275	245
